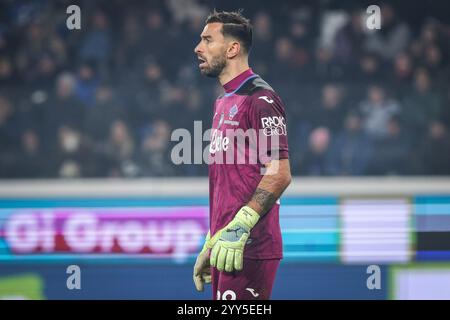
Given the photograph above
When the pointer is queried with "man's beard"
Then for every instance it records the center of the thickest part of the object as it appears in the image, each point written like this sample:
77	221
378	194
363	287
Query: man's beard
215	67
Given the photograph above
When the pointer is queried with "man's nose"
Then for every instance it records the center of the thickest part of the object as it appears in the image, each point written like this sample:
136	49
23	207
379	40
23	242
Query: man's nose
197	49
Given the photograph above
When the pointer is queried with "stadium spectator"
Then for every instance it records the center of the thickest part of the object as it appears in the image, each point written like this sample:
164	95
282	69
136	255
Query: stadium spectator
8	77
352	148
30	160
102	114
392	150
422	104
8	137
330	112
435	151
87	83
377	111
97	43
262	42
402	75
155	154
392	38
317	159
367	71
147	94
349	40
72	159
120	150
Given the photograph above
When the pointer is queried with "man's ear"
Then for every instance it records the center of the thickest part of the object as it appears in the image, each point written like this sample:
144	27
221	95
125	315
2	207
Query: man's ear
233	49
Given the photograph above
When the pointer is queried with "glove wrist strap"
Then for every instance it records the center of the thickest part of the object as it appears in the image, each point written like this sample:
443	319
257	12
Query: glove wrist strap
248	216
206	244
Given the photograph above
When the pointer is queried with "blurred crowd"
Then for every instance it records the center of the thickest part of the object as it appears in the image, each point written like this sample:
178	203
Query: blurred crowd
102	101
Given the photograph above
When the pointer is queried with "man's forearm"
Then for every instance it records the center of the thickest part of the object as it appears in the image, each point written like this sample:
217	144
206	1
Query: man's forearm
270	189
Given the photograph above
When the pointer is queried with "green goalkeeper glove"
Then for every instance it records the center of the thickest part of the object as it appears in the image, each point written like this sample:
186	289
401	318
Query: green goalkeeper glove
228	243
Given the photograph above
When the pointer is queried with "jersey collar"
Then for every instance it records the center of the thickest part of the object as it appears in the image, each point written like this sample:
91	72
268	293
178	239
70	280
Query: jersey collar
234	84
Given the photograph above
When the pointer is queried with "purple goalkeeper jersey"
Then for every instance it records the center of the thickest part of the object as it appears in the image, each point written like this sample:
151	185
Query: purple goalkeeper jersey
248	103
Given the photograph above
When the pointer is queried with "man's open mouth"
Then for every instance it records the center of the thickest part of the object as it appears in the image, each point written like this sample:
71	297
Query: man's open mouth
202	62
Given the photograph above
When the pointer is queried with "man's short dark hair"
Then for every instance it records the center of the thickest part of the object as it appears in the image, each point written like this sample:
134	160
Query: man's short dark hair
234	25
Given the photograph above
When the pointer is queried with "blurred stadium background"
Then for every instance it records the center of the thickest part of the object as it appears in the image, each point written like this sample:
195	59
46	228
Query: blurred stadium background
85	123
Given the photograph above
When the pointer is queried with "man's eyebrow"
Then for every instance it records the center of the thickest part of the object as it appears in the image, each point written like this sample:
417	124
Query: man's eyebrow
206	37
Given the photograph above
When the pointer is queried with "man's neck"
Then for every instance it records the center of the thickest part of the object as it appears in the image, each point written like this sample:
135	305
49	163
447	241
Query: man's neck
232	71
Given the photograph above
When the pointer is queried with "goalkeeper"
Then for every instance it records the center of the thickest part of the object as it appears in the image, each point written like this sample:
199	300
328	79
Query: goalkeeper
243	249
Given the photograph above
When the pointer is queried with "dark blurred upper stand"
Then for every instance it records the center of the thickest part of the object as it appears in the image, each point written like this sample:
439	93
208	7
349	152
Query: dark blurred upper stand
102	101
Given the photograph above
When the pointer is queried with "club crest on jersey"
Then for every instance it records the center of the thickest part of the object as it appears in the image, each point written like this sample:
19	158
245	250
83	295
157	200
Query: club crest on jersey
234	109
